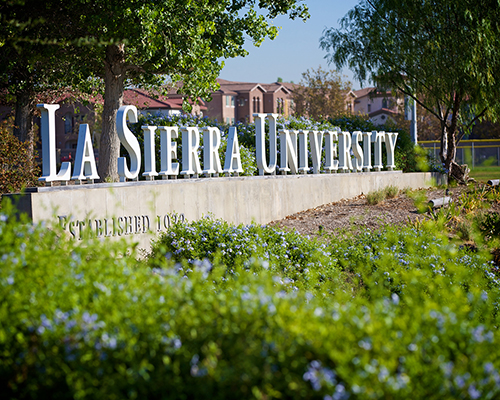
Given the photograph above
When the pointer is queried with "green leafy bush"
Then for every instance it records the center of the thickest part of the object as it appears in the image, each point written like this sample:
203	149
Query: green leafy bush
406	158
416	317
304	262
247	154
17	170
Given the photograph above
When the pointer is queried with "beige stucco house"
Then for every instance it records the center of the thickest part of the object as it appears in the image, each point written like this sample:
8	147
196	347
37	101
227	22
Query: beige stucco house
238	101
379	105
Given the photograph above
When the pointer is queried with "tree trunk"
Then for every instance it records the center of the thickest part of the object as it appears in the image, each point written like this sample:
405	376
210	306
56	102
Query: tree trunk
109	145
23	122
448	153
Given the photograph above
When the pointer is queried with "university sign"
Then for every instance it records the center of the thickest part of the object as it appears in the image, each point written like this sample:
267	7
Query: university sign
338	151
299	174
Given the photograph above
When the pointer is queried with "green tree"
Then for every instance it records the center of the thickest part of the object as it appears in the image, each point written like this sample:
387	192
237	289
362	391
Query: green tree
444	54
185	40
36	62
142	43
321	94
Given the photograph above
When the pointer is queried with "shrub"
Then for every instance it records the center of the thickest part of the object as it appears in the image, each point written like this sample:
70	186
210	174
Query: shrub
303	262
406	157
375	197
17	169
415	318
247	153
391	191
489	224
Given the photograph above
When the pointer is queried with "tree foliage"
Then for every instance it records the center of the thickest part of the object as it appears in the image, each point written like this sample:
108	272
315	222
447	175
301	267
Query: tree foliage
444	54
37	63
15	162
321	94
136	42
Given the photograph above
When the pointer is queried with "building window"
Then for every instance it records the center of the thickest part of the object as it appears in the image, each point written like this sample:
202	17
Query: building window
241	102
229	101
384	103
369	108
256	104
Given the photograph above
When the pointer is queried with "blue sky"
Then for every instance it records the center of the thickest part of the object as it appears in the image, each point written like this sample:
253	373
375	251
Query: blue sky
295	50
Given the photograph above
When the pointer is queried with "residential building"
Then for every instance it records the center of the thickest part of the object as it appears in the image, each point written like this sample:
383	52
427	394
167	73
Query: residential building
238	101
158	104
380	106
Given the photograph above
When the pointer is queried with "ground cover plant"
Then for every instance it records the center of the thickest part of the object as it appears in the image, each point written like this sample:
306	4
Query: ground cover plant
402	313
377	196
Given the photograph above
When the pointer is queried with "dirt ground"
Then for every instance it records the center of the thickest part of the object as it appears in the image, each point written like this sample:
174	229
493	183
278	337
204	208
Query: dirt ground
352	213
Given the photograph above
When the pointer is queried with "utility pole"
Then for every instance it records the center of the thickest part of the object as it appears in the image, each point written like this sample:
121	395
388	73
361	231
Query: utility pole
411	115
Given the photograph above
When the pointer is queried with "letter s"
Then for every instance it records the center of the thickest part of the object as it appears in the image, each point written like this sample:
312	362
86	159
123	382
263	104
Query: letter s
130	143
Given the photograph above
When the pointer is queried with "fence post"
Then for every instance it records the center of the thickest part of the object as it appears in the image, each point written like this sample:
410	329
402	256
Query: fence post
472	151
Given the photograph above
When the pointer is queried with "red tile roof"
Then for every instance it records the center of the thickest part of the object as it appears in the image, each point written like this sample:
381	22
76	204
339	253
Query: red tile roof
142	99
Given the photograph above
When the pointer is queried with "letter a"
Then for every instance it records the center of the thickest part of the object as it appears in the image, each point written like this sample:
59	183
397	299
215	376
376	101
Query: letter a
233	156
85	167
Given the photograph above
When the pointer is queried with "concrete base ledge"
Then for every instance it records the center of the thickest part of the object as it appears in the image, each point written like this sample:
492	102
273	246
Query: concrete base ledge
139	209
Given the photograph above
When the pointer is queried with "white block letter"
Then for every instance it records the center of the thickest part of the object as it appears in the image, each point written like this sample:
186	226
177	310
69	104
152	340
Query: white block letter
260	145
233	156
168	151
331	151
303	154
130	142
357	151
48	132
367	151
190	145
149	152
211	144
288	151
316	140
345	162
378	138
390	146
85	167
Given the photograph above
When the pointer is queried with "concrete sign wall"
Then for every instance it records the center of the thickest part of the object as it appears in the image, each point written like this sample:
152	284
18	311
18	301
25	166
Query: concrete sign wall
141	210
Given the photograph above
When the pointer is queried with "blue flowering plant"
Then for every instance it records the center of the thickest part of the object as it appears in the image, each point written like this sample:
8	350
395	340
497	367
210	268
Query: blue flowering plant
219	311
